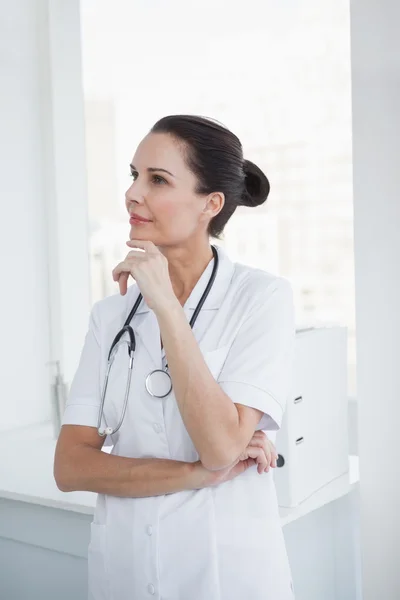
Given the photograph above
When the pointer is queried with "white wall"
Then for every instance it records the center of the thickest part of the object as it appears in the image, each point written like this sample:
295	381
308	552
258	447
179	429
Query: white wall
43	242
376	135
24	322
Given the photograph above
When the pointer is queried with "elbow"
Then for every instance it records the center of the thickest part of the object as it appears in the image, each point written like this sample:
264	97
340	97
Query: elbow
218	460
62	484
61	478
63	487
222	455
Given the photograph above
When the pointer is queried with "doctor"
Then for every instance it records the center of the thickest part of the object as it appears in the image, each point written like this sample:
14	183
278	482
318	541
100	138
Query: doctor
186	506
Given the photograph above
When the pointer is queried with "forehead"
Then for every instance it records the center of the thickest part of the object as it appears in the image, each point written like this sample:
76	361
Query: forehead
160	150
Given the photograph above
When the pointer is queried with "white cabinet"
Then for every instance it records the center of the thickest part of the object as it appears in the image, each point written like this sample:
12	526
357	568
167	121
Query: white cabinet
313	440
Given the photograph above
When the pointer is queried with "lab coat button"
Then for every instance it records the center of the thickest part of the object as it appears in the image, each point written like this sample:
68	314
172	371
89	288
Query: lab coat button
151	589
149	530
157	427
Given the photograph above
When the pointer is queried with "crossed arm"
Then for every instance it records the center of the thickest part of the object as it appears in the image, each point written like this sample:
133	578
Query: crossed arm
212	421
80	465
220	430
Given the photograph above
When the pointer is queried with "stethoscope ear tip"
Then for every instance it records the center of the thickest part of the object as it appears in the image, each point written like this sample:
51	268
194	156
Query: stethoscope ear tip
106	431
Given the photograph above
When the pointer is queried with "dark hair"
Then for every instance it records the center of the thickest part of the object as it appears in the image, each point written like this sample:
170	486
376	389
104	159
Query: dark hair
215	156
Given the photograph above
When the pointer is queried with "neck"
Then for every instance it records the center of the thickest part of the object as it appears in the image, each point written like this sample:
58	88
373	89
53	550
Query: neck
186	265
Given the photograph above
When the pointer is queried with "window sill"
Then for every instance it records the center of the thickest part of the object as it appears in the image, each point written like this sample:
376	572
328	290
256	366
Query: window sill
334	490
26	474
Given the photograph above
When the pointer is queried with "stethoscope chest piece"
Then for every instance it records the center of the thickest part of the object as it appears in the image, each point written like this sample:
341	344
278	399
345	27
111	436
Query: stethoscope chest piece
158	383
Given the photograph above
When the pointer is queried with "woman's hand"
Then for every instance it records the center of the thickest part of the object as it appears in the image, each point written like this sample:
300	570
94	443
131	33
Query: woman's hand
150	271
260	451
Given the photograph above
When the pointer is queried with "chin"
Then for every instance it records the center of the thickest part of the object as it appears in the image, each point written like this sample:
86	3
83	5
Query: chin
136	233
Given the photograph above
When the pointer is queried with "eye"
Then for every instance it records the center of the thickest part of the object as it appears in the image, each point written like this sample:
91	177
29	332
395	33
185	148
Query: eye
158	180
134	175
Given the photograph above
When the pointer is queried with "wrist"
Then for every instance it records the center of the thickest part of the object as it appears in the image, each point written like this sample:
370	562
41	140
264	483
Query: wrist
167	306
199	477
168	312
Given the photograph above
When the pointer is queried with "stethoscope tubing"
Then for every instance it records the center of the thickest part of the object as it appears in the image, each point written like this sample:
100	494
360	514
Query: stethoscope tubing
132	347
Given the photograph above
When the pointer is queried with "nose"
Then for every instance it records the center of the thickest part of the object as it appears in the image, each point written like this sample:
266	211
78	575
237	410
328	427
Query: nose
134	195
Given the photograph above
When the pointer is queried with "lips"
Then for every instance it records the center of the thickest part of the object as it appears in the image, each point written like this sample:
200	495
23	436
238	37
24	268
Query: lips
135	217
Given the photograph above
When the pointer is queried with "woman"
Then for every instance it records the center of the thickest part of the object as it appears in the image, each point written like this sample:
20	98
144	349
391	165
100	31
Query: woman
186	507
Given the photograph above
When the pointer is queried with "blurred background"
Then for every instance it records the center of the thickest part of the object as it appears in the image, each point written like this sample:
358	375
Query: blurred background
278	76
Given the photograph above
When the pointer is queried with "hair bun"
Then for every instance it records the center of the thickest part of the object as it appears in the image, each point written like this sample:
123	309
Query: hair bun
256	185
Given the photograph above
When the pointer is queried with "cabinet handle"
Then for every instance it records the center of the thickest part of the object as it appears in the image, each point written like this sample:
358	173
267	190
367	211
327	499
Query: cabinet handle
299	440
298	399
281	461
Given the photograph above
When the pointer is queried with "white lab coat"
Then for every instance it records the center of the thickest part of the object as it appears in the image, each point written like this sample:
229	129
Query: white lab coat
219	543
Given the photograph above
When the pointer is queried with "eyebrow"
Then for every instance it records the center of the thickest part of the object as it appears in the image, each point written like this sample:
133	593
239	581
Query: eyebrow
153	170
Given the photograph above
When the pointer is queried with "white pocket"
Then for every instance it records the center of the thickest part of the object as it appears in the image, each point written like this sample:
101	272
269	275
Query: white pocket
215	359
98	583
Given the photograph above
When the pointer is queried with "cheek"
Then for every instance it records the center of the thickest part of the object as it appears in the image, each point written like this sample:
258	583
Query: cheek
174	211
168	208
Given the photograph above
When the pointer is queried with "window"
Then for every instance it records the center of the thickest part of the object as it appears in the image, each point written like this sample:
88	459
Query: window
280	79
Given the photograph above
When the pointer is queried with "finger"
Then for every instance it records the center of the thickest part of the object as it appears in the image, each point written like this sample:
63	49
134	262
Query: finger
262	462
268	453
114	272
257	442
122	267
126	267
123	283
270	457
263	447
136	254
145	245
258	435
121	275
267	446
259	456
275	455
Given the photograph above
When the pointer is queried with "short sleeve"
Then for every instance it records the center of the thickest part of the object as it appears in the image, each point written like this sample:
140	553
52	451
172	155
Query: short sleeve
83	401
258	369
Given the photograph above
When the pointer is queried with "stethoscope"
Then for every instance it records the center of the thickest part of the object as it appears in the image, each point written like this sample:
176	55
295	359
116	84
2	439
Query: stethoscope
158	382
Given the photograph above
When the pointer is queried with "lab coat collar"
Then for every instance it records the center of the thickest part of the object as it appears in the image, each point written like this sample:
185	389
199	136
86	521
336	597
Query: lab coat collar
218	290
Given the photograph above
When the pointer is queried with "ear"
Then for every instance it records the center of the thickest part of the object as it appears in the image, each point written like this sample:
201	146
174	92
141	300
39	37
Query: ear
214	204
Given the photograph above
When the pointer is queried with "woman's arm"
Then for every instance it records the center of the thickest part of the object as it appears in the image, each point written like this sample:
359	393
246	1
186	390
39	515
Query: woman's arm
221	416
81	465
219	431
